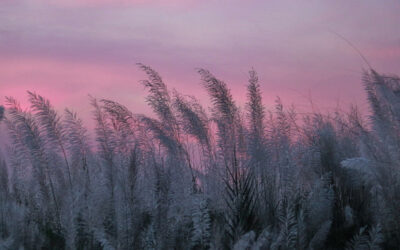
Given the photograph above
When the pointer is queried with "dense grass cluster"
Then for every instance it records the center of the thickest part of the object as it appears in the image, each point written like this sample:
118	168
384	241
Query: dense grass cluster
189	179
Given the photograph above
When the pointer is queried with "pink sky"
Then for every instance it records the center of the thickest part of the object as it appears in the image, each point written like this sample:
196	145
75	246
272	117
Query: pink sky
67	49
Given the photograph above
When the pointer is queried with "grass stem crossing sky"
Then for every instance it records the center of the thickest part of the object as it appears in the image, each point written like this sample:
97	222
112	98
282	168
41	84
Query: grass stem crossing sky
67	49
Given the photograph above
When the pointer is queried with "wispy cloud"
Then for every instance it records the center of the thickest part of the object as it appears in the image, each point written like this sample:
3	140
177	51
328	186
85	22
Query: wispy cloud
289	43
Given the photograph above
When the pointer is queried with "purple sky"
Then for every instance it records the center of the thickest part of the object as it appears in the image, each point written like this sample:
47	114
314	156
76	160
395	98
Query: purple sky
67	49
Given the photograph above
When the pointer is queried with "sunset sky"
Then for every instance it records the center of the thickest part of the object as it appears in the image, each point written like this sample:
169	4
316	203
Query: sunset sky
67	49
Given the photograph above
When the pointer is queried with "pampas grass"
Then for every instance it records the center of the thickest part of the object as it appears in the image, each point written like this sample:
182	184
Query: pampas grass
262	179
